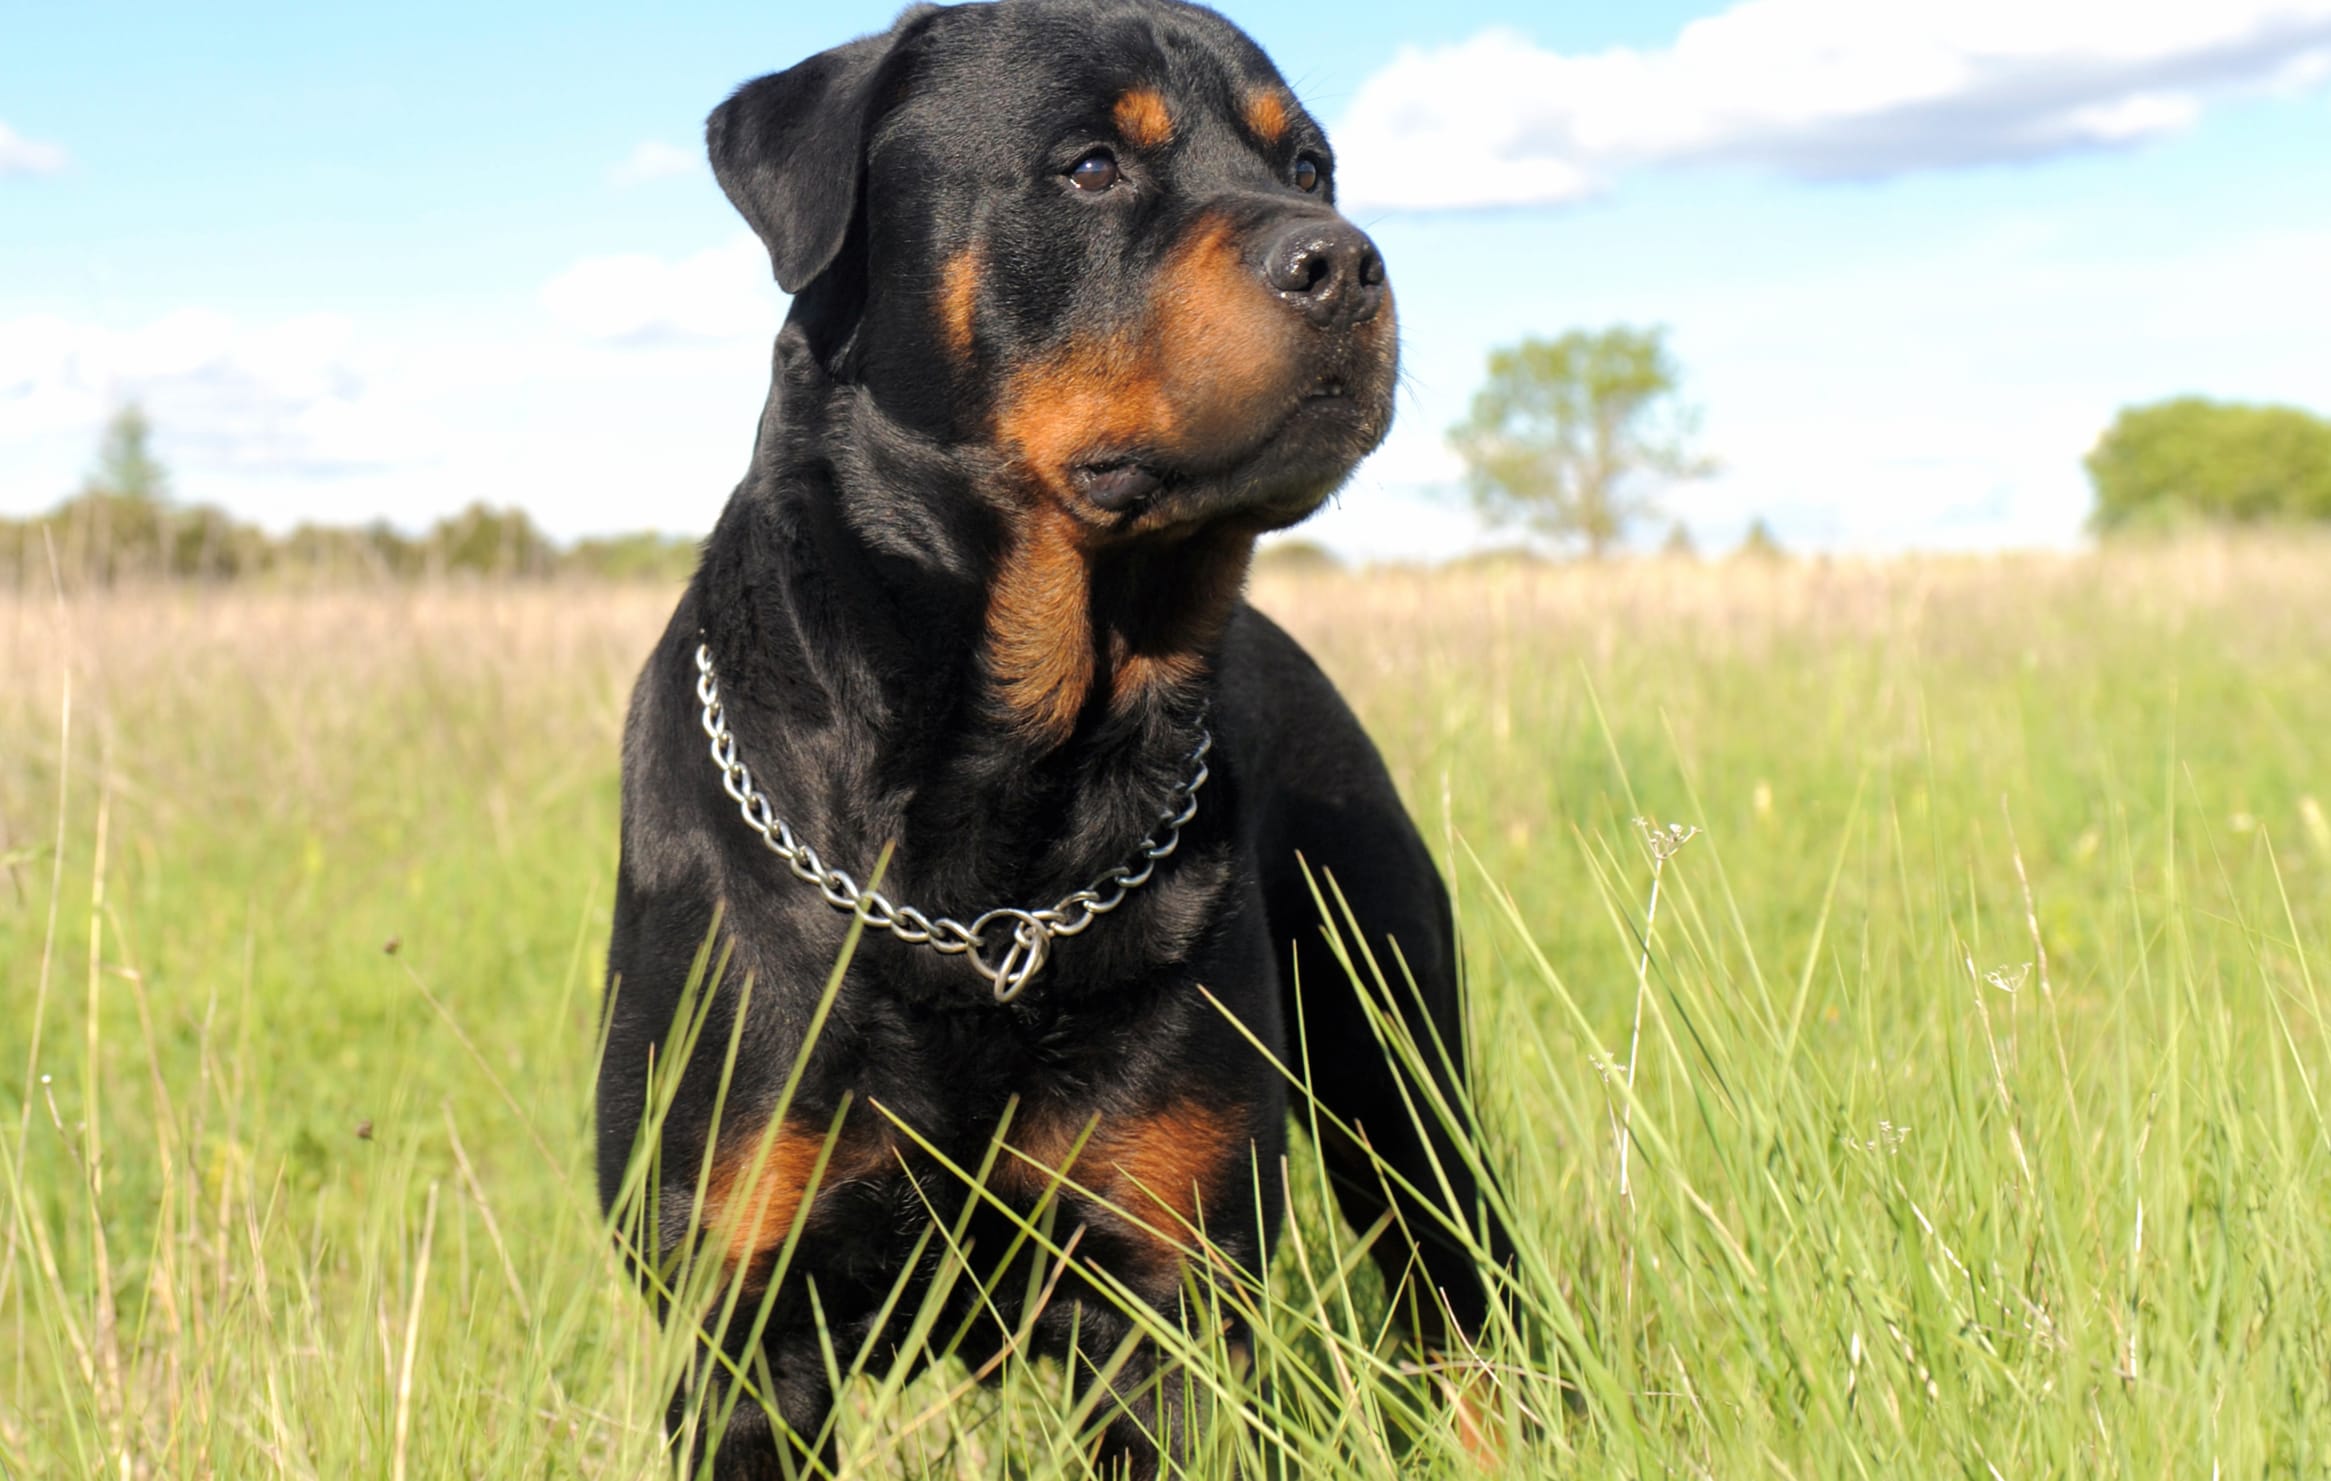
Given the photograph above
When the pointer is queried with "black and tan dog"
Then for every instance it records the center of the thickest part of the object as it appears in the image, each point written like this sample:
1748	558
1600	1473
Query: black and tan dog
1075	319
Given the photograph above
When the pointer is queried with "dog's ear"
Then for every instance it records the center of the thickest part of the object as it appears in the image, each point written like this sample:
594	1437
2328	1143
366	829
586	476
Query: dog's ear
789	148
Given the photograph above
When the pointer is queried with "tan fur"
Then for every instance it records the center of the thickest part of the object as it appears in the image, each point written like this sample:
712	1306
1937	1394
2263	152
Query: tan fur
959	300
1039	628
1200	368
1166	1167
1471	1395
1157	1175
1268	110
752	1199
1142	118
1204	368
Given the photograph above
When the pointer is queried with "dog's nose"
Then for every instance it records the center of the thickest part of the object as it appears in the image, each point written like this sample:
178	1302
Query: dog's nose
1330	270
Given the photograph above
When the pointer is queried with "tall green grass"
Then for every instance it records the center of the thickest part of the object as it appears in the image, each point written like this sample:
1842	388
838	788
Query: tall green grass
1978	1113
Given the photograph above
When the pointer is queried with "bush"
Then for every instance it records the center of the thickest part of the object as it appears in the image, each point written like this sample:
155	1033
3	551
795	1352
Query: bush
2193	460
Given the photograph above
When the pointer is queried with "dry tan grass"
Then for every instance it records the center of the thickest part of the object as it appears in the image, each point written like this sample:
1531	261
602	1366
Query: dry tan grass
175	688
251	703
1741	607
331	644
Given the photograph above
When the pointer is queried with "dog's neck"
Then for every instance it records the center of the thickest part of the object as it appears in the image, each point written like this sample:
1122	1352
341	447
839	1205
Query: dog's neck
1073	628
1024	703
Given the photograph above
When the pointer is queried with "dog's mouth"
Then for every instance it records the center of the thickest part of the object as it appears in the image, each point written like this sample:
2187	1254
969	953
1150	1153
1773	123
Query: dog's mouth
1126	481
1118	484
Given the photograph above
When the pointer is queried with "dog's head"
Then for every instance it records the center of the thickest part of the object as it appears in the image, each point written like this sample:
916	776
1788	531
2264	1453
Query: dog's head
1096	236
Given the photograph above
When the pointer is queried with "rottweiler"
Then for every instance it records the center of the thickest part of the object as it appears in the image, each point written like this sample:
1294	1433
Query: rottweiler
1074	320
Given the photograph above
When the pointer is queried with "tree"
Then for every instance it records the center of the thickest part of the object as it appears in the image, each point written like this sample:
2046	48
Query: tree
484	541
126	468
119	525
1570	437
1760	543
2190	458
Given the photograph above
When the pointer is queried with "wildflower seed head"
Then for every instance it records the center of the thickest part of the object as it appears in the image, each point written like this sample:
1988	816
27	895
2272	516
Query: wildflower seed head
1665	840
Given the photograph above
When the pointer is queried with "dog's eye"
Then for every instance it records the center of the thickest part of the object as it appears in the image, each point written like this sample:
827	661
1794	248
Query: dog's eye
1307	173
1097	171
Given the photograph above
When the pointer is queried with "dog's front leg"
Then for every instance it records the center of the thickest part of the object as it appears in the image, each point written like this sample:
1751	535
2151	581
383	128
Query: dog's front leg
1154	1405
757	1414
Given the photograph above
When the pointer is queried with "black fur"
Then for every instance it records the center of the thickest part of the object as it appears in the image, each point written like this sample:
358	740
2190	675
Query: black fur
904	476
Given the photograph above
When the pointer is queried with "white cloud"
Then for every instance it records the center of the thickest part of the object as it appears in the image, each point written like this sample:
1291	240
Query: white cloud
653	159
327	419
2303	72
288	398
630	402
633	298
342	419
1819	89
22	156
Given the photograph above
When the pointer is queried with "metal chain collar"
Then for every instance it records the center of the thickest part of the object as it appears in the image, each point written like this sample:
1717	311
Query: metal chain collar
1032	932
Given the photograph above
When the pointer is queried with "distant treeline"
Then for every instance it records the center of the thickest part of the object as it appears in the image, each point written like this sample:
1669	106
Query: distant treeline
2162	467
99	538
124	526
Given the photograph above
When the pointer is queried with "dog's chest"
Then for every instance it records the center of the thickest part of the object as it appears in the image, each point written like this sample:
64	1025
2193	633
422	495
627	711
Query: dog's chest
1123	1156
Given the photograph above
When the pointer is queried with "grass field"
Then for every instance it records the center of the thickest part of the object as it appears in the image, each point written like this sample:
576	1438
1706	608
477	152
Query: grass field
1979	1113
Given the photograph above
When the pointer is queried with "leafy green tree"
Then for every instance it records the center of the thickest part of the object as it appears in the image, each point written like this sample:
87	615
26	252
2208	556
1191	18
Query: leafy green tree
1760	543
126	467
484	541
2192	459
118	526
1570	437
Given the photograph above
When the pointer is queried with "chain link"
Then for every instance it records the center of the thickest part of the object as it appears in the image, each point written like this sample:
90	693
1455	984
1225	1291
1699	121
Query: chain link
1027	943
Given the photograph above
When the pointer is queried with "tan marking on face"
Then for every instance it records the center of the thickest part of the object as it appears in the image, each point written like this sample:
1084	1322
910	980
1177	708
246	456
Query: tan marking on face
959	300
753	1198
1268	110
1142	119
1155	1176
1039	628
1205	368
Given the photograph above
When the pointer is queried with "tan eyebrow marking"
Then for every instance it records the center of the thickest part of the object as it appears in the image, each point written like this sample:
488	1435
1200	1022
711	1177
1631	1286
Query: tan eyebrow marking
1267	113
1142	118
959	300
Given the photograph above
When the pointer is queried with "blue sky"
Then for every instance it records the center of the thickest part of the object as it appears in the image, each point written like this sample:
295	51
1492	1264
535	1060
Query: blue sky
1912	254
